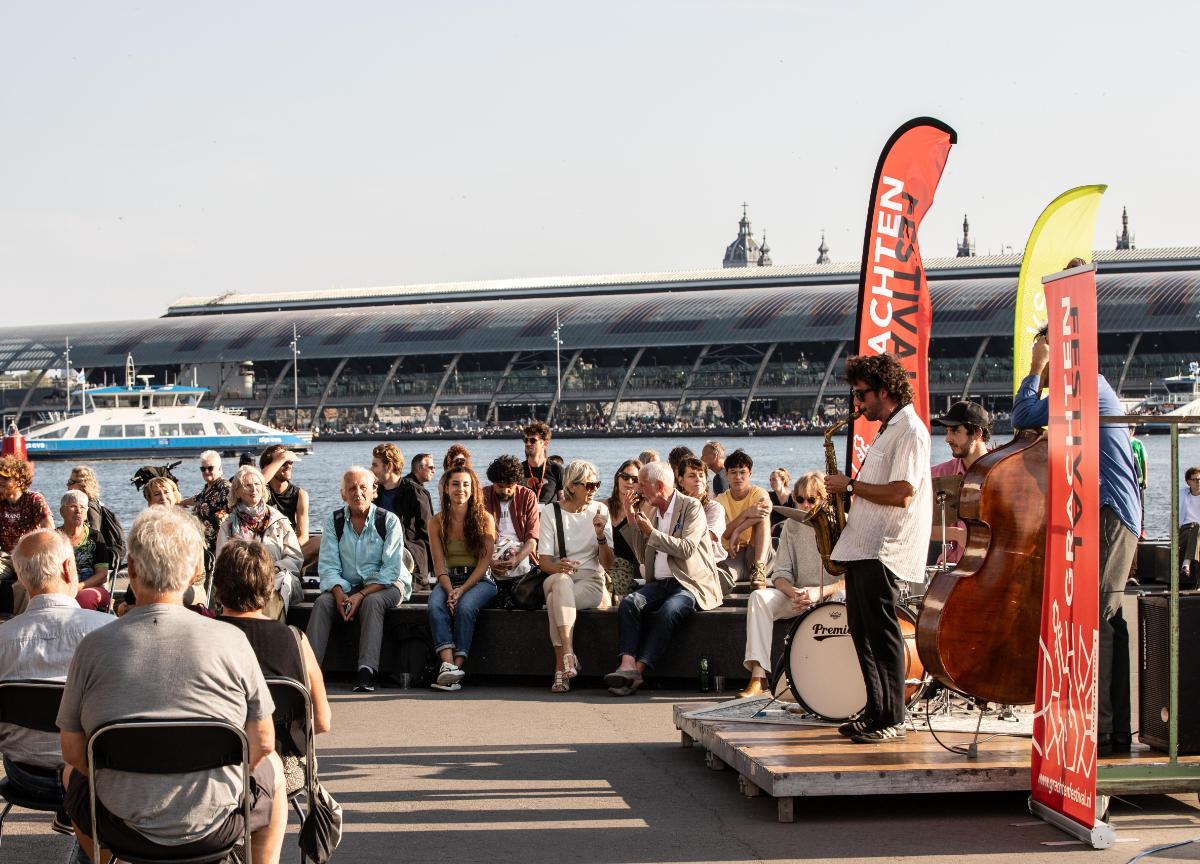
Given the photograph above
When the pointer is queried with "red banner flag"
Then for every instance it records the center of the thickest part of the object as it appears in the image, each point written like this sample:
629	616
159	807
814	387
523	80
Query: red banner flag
894	313
1064	725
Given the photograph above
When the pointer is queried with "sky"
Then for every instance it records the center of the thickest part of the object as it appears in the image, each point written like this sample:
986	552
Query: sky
152	151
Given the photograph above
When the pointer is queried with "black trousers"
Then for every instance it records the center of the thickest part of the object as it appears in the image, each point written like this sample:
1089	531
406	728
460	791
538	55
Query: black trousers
871	597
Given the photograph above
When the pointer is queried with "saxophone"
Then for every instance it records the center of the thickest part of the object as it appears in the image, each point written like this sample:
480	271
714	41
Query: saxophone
829	517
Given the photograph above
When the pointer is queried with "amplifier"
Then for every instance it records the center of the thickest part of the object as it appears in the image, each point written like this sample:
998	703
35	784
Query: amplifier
1154	688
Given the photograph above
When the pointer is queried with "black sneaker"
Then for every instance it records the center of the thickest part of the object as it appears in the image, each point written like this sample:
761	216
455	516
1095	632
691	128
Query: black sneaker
855	726
880	736
62	823
365	682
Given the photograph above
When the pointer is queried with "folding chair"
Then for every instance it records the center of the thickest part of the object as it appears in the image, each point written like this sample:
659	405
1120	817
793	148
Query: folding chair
30	705
112	584
168	747
293	702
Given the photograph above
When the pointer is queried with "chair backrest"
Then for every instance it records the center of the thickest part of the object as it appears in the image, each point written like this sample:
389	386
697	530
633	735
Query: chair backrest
293	707
31	704
146	746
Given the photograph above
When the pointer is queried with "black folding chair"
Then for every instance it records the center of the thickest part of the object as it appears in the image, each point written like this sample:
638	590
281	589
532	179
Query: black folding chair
112	584
293	704
30	705
168	747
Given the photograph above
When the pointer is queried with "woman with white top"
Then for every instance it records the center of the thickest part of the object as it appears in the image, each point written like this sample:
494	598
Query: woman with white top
692	481
800	582
575	556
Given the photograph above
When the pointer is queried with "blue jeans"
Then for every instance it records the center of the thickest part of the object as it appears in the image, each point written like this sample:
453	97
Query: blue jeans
673	603
43	781
455	631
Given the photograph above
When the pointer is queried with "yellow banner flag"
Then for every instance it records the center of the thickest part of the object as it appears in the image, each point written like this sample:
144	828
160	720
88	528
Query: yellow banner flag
1064	231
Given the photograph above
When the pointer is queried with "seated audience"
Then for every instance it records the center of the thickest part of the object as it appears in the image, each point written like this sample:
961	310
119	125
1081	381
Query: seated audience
576	570
625	569
463	537
38	646
543	477
243	583
277	464
669	532
173	665
251	518
514	508
362	573
162	492
416	509
211	503
712	454
677	455
103	521
747	534
780	495
648	456
387	464
692	480
92	556
800	581
21	510
1189	527
456	454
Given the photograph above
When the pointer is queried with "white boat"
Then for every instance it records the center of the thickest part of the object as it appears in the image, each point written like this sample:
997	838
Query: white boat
139	420
1182	399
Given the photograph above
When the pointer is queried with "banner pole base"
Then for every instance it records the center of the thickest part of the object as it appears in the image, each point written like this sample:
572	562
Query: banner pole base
1099	836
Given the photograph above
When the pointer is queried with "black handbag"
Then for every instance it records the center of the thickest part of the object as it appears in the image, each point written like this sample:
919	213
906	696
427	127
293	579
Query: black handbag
526	592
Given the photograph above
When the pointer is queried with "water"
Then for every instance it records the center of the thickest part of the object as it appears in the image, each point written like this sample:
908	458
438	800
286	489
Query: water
320	472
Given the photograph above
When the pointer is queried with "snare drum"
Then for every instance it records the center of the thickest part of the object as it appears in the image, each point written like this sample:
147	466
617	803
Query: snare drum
821	667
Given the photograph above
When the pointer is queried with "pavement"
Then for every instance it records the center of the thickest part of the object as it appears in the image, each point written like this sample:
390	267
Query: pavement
504	774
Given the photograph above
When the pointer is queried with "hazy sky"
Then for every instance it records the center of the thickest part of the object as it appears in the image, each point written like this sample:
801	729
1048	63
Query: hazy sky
156	150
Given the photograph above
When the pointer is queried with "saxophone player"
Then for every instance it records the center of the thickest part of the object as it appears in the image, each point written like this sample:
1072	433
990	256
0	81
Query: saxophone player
800	580
885	540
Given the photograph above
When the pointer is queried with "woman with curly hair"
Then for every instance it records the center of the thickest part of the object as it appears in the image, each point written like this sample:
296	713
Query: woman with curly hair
456	455
462	537
21	510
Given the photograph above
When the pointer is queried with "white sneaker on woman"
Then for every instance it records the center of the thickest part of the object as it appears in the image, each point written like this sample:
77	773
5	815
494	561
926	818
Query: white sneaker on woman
450	674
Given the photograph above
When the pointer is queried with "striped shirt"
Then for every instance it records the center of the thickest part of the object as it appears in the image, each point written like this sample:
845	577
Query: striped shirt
897	537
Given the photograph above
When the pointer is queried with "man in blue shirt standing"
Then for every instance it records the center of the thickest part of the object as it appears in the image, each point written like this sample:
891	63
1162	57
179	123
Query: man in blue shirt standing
1120	524
362	573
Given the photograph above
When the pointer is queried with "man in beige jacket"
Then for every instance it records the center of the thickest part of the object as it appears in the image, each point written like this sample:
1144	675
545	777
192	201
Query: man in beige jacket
669	533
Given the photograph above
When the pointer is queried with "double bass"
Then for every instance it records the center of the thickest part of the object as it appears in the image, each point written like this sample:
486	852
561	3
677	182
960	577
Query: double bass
979	625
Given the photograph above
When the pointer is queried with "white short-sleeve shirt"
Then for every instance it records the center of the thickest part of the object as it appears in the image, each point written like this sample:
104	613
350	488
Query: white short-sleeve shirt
897	537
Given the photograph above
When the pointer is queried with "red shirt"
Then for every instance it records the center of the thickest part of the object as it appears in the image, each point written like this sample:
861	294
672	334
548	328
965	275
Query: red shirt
950	468
16	520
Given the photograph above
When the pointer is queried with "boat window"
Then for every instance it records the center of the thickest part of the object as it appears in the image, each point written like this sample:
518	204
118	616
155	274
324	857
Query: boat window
111	432
56	433
135	430
168	430
83	432
193	429
221	428
245	430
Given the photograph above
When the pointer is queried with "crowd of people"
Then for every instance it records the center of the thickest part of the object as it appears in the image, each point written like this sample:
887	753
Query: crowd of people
202	627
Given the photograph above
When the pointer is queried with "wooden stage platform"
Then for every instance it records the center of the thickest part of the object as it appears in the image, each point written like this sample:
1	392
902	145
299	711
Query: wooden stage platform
789	761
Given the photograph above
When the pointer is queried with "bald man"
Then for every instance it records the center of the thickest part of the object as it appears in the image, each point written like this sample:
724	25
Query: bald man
362	573
39	645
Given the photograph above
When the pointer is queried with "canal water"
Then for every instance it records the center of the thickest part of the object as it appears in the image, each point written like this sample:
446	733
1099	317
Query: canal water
320	471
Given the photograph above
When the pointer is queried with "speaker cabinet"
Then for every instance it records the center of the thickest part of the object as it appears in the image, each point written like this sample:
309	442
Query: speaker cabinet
1154	687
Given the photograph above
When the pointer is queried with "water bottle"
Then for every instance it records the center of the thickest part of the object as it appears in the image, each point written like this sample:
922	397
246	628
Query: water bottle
704	683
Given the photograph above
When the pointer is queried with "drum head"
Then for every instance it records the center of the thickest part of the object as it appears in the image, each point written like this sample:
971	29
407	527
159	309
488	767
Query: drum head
822	666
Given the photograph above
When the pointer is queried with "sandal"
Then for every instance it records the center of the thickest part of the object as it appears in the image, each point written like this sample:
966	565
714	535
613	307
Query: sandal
561	684
571	666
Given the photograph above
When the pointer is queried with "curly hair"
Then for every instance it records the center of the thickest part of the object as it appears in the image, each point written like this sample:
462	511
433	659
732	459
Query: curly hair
16	468
475	520
456	455
881	372
537	429
166	482
243	575
86	477
505	470
389	454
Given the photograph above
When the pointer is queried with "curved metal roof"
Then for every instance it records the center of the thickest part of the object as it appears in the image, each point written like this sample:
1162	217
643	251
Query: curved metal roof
963	307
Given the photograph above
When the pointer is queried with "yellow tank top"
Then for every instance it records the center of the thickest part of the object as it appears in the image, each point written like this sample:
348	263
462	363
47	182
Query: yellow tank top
458	555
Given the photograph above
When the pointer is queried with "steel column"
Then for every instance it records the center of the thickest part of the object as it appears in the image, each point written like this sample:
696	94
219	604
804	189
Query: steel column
262	415
450	367
558	395
387	379
687	383
975	365
762	368
837	352
612	414
328	389
487	415
28	396
1133	346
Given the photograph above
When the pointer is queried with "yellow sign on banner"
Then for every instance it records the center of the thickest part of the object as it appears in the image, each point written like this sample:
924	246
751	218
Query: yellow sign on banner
1064	231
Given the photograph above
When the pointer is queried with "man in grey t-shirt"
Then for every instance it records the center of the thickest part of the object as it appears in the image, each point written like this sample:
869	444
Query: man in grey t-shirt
162	661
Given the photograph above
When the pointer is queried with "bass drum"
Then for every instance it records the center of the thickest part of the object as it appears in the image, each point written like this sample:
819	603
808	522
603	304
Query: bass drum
821	667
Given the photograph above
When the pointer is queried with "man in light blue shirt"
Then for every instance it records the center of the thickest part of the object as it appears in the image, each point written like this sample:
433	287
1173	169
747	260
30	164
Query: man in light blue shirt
38	645
1120	524
362	573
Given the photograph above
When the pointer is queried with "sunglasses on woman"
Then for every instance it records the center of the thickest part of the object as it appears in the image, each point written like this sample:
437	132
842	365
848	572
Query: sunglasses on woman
629	478
810	500
591	487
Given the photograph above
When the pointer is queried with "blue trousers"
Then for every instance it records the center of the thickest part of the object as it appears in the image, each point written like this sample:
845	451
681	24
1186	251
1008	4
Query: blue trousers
456	631
636	636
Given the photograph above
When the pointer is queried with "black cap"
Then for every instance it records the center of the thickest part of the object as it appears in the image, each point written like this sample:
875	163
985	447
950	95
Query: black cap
964	413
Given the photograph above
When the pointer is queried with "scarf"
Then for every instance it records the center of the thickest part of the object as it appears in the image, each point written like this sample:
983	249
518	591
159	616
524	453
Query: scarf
253	520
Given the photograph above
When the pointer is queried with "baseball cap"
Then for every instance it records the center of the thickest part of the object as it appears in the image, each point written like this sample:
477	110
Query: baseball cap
964	413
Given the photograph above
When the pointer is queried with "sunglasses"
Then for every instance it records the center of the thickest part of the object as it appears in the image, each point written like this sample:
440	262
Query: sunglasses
532	440
810	500
207	469
861	395
629	478
591	487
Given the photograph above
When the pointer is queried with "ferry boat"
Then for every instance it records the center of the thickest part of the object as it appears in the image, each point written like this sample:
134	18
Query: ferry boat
134	421
1182	399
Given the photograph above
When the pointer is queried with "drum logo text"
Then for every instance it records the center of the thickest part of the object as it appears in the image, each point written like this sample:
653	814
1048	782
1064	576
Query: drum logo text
820	632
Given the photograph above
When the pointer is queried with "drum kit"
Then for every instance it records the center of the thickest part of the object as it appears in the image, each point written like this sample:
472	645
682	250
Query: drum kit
820	666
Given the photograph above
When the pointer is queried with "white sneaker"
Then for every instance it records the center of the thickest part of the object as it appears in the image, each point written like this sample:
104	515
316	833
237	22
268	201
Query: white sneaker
450	674
449	688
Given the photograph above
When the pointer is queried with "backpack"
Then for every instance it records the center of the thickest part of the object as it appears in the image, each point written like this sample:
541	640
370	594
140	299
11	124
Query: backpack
339	523
414	654
111	532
